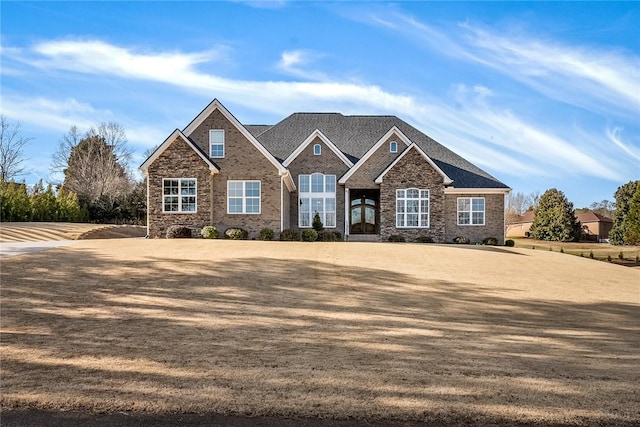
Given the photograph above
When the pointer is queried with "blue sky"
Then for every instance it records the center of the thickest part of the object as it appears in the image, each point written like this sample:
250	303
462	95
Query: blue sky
540	95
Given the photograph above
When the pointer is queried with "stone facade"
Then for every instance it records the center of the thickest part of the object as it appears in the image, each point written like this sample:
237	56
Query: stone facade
327	163
493	218
179	160
412	171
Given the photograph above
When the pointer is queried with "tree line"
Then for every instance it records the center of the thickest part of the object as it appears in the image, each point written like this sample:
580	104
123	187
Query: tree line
92	167
555	217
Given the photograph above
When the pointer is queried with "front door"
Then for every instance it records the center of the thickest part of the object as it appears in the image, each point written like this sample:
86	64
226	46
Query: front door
364	213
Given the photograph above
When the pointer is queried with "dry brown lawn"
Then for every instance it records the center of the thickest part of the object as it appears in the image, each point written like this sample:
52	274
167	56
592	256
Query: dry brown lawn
375	331
48	231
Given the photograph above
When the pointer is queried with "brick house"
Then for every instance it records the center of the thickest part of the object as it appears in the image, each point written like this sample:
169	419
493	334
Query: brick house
369	177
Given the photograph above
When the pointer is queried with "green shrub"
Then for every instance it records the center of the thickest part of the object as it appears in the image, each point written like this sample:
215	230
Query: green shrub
461	240
317	223
338	236
178	232
621	255
309	235
609	258
327	236
210	232
561	250
396	238
510	243
491	241
290	235
424	239
591	254
235	233
582	254
265	234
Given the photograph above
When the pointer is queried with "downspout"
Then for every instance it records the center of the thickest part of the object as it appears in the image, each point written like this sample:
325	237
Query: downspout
281	202
146	172
347	205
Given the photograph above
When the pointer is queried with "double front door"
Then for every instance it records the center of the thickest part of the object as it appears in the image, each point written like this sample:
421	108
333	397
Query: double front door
364	212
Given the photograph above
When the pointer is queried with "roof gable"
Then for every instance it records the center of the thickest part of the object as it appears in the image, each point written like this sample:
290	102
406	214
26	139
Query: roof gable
170	140
394	130
216	105
317	134
446	179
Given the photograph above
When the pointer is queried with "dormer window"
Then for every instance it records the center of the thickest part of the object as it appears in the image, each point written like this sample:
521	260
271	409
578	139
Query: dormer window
393	147
216	143
317	150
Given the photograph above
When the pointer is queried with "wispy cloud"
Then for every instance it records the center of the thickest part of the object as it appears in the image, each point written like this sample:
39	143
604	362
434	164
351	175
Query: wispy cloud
492	136
297	63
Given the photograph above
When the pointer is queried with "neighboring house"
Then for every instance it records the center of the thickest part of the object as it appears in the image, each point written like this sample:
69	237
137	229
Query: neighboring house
520	225
595	227
364	175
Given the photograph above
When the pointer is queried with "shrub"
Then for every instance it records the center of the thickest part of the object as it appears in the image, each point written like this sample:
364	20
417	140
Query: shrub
561	250
491	241
338	236
582	254
609	258
235	233
424	239
210	232
510	243
396	238
591	254
290	235
178	232
621	255
265	234
327	236
317	223
461	240
309	235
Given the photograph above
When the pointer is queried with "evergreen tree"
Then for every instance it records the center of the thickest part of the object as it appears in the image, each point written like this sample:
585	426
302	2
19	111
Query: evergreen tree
317	223
555	218
632	231
624	194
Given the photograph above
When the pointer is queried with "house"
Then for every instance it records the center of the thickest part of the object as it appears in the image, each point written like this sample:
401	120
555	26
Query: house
520	225
366	176
595	227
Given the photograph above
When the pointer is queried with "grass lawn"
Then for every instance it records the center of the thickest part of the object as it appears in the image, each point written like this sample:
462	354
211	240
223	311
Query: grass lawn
375	331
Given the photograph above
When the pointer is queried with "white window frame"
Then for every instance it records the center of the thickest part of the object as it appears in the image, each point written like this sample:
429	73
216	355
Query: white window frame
211	144
180	196
403	213
393	147
243	197
317	150
326	197
471	211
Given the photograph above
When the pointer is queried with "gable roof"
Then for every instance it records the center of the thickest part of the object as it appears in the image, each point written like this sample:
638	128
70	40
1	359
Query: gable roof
317	134
528	216
216	105
167	142
591	216
354	136
445	178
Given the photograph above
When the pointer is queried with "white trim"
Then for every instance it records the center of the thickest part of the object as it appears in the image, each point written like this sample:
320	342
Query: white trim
144	167
324	195
244	197
217	143
391	150
319	147
419	213
289	180
347	212
471	224
216	105
445	178
316	134
453	190
179	196
281	202
401	136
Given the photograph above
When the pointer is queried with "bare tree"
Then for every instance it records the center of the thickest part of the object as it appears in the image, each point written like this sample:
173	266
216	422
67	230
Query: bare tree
11	150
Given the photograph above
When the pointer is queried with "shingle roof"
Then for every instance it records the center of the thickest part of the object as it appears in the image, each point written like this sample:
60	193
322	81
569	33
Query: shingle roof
355	135
256	130
591	216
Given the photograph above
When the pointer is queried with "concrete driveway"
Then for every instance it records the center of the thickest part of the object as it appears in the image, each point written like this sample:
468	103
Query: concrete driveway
8	249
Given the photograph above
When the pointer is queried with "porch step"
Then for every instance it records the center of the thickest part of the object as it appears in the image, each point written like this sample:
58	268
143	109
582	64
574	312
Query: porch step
364	238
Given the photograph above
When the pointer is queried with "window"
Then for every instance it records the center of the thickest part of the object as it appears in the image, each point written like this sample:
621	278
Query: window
412	208
179	195
317	194
317	150
393	147
216	143
470	210
243	197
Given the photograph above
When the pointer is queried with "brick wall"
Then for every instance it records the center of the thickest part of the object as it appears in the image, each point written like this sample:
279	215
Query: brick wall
178	161
494	219
328	163
412	171
364	177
